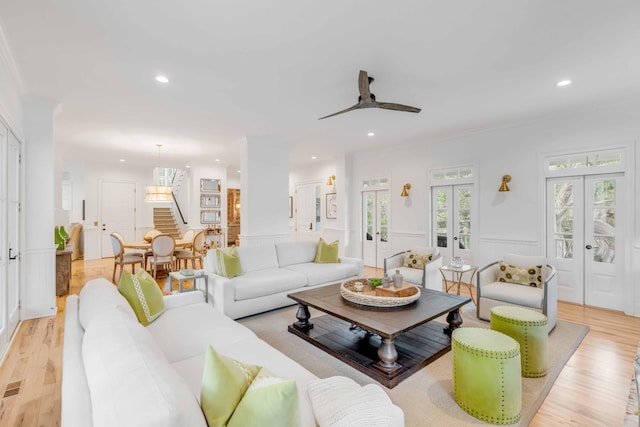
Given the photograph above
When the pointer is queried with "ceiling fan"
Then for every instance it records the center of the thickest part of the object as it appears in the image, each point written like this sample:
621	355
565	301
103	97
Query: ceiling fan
368	100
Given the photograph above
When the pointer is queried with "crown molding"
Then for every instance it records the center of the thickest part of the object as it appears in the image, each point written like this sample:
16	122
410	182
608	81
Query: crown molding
7	60
6	56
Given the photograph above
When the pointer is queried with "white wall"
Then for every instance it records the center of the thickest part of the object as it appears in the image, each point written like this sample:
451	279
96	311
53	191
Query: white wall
511	221
10	90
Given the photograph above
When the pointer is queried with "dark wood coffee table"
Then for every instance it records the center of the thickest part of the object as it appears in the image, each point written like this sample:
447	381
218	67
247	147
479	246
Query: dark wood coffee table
388	344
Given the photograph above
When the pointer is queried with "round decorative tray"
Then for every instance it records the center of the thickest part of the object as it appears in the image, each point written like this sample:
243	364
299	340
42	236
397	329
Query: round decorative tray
367	296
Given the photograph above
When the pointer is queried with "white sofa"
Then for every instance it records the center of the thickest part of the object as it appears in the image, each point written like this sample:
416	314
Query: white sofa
269	273
428	276
117	372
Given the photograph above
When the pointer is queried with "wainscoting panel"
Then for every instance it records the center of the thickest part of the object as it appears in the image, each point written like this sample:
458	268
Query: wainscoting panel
91	237
492	249
635	283
38	293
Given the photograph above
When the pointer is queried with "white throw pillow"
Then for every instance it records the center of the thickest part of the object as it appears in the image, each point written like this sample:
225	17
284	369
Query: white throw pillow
341	402
97	296
130	380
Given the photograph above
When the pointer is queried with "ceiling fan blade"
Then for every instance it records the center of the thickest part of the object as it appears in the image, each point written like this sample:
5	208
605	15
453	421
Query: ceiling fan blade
398	107
355	107
363	85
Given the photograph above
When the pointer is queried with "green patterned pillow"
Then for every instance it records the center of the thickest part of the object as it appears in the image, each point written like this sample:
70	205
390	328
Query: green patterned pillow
269	401
143	294
413	260
228	263
327	252
224	382
529	276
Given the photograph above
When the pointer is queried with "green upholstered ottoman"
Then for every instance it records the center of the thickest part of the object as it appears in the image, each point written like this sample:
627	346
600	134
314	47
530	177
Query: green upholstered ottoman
486	374
529	328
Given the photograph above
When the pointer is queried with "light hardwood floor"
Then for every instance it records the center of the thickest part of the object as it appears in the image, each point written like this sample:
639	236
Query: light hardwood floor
592	389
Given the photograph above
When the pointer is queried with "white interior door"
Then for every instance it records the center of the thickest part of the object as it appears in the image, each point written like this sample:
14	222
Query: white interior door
375	227
13	233
4	249
585	231
451	221
308	211
118	212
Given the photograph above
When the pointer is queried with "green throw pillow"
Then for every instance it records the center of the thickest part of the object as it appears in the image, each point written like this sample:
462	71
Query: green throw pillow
143	294
228	263
269	401
529	276
224	382
413	260
326	252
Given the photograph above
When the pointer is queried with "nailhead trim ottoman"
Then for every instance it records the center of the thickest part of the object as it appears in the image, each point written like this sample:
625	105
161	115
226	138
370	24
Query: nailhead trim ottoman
486	374
529	328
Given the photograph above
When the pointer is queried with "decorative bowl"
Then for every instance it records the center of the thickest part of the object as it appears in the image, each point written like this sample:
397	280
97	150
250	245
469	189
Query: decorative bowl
457	262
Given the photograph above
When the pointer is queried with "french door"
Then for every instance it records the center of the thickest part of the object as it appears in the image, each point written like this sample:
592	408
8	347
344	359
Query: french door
375	227
9	236
13	233
118	212
585	232
451	221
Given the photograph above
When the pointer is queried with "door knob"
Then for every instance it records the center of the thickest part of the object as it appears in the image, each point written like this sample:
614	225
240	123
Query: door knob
589	247
455	238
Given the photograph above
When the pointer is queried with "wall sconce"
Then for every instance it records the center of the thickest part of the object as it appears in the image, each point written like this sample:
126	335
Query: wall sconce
405	193
504	186
332	179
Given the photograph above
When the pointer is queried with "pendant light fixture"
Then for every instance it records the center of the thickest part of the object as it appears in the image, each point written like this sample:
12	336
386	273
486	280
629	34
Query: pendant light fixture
159	192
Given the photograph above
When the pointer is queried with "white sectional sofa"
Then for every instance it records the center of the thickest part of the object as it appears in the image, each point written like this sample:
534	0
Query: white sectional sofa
116	372
269	273
428	276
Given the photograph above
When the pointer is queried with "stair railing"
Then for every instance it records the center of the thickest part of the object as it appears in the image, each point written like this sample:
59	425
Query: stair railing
175	200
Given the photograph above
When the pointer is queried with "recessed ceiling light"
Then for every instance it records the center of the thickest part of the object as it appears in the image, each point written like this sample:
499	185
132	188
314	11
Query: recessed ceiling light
238	171
187	166
371	134
122	160
563	83
162	79
217	160
313	157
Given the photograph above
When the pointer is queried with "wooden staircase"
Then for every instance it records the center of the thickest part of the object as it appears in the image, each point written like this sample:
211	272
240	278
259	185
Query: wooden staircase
165	222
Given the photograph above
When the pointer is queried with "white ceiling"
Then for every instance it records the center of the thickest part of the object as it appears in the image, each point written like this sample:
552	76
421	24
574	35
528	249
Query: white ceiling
241	67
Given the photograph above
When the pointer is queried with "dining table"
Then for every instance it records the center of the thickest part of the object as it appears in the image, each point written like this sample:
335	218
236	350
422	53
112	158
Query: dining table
143	244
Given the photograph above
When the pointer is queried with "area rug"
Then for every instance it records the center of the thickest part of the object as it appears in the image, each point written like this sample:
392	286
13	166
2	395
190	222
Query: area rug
427	396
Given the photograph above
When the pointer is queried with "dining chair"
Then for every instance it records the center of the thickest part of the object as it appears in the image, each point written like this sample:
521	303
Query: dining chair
194	253
162	247
120	258
189	234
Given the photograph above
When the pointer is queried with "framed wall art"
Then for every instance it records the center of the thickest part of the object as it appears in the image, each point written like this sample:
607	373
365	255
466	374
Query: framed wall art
209	185
331	206
210	217
209	200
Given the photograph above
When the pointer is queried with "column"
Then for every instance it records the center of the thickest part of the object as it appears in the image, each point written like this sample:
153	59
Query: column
264	195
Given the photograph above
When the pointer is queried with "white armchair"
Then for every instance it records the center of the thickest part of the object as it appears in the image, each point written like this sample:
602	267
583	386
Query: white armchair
492	292
428	276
